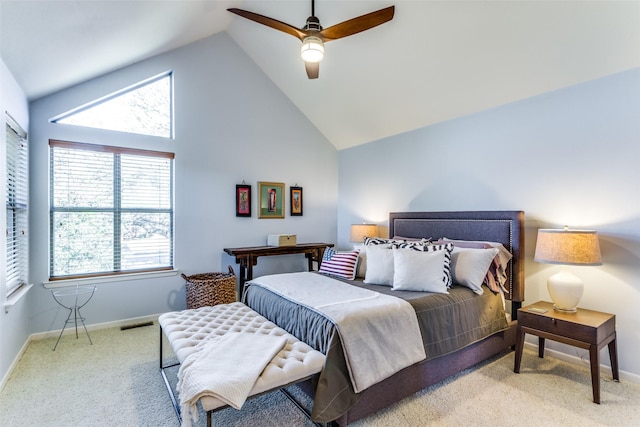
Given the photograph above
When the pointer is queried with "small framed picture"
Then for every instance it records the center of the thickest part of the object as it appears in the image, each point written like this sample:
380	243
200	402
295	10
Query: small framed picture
296	201
271	200
243	200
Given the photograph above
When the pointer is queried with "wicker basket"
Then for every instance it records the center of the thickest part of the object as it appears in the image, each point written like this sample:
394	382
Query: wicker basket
210	289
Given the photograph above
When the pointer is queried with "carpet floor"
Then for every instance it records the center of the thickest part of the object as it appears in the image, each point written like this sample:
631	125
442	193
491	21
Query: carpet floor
116	382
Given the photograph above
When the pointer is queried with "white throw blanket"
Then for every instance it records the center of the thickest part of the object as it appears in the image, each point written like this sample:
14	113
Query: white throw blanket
380	333
225	367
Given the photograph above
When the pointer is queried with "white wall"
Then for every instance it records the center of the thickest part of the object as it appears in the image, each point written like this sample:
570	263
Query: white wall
232	124
568	157
14	323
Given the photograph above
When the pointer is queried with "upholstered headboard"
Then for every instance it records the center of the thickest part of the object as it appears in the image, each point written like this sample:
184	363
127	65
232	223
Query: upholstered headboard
506	227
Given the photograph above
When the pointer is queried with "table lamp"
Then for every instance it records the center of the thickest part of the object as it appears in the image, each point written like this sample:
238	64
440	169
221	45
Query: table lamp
360	231
567	247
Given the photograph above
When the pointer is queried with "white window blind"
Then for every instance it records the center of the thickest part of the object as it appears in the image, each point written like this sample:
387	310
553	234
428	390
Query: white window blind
111	210
17	207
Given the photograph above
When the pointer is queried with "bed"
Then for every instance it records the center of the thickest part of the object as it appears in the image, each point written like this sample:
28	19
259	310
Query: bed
337	403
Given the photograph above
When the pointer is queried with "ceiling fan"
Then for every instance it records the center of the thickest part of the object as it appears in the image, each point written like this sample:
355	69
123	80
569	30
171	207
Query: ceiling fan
313	36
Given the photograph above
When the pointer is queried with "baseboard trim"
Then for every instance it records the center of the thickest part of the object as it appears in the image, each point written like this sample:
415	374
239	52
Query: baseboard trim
96	326
582	361
14	363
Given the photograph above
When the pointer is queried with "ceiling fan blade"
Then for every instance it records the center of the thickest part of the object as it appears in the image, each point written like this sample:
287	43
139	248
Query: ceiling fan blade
356	25
270	22
313	69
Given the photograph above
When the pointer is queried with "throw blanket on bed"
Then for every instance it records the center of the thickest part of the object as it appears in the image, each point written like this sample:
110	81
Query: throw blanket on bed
379	333
225	367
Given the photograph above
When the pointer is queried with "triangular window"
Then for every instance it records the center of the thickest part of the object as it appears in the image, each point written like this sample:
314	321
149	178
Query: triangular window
145	108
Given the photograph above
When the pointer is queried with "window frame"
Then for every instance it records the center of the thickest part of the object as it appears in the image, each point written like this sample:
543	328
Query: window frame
17	223
116	209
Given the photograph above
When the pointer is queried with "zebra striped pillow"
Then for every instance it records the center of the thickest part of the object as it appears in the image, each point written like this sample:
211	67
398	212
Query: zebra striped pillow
381	241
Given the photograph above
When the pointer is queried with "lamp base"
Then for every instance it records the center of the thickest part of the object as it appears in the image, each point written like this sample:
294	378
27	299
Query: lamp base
564	310
565	289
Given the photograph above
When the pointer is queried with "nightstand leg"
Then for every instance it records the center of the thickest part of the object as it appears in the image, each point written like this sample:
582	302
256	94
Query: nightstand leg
594	356
613	357
540	347
519	348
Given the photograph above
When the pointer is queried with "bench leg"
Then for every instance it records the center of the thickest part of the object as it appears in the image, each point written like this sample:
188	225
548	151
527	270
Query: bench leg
174	402
160	347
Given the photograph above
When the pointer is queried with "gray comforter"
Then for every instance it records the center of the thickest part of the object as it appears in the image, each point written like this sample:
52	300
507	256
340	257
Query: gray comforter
448	322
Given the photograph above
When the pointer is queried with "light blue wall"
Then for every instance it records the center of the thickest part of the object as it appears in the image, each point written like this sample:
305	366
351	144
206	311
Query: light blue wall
14	322
568	157
232	124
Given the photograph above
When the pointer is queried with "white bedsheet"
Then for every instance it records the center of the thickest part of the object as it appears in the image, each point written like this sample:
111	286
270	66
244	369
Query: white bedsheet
380	333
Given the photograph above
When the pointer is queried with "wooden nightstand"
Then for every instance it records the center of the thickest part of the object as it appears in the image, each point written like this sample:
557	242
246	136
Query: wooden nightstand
587	329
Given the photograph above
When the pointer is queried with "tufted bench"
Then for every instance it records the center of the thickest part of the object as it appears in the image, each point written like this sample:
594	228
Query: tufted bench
296	362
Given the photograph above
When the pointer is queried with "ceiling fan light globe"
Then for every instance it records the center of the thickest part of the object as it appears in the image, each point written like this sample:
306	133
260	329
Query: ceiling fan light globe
312	49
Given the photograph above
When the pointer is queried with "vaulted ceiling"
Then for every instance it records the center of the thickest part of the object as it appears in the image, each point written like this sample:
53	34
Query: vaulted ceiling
435	61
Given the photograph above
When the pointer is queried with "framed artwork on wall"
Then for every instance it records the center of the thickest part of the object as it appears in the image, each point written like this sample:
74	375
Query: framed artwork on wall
243	200
296	201
270	199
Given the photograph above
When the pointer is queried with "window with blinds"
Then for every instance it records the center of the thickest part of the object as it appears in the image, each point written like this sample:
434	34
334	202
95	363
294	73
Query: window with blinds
111	210
17	266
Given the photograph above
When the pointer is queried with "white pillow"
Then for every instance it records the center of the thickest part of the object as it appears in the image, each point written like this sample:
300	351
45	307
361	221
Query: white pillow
469	266
419	271
371	241
379	265
425	246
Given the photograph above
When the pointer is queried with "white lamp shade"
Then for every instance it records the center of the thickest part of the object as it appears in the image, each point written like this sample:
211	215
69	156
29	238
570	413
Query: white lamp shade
312	49
567	247
360	231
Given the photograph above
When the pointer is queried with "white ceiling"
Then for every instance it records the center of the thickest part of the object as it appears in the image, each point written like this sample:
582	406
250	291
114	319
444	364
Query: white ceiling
436	60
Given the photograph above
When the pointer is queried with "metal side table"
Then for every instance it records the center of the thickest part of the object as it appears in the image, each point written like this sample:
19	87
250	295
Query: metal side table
73	299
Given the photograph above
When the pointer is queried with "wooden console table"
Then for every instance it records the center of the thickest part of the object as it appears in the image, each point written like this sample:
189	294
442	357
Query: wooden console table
248	257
